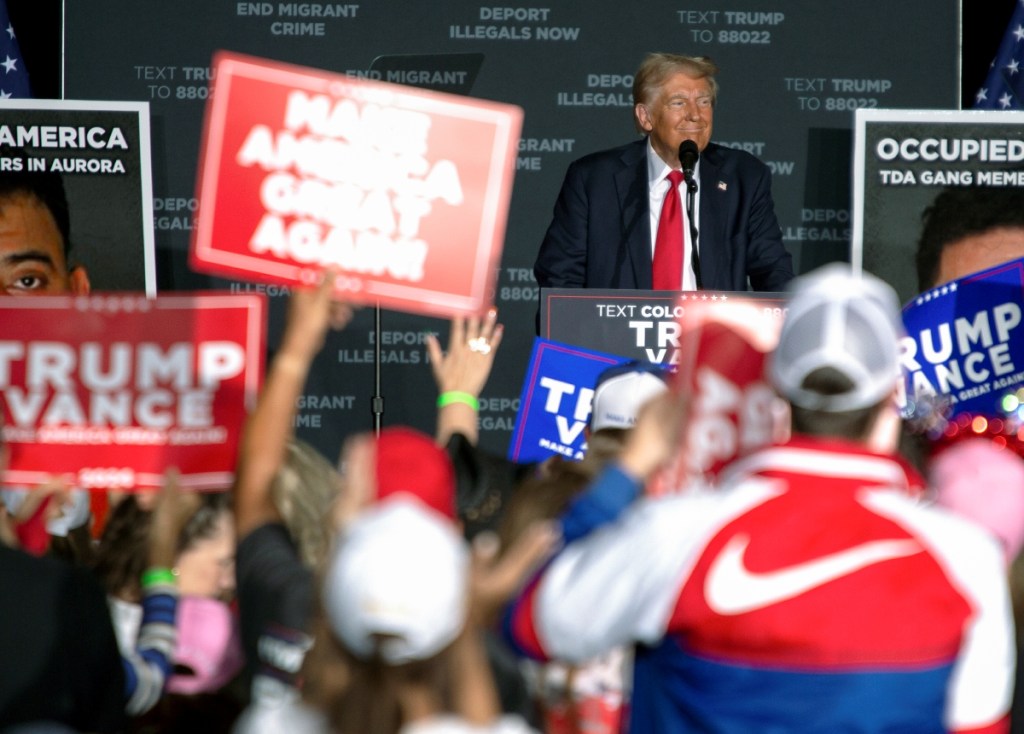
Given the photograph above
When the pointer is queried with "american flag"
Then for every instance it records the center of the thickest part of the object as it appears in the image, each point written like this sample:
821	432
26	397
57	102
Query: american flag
1004	86
13	75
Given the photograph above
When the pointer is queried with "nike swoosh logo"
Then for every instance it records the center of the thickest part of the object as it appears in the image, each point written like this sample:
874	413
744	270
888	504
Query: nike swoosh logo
730	588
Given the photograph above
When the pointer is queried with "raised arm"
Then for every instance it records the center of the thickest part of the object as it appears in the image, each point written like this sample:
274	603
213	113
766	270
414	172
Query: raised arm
269	427
594	574
148	666
462	372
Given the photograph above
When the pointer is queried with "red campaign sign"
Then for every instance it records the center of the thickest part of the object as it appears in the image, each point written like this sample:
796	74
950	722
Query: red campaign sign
109	390
733	410
405	191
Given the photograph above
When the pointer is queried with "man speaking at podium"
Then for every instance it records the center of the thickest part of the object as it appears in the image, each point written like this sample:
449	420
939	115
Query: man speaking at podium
614	225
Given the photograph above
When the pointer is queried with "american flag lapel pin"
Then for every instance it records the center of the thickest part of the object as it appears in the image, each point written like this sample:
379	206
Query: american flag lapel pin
722	185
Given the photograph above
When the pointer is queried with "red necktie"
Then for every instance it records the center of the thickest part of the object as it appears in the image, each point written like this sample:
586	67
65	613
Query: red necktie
667	268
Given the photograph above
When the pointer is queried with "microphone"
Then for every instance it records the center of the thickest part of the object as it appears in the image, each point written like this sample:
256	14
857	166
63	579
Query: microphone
688	157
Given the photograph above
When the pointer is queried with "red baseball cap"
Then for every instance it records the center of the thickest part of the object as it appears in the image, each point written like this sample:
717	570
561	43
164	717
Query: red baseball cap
409	461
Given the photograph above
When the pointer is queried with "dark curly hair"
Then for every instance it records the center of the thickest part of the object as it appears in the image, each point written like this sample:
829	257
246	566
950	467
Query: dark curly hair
45	186
960	212
123	551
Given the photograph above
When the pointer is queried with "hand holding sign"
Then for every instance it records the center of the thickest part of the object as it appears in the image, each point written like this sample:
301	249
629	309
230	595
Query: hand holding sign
311	312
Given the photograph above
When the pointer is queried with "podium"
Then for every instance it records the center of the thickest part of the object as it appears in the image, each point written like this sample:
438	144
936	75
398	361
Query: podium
637	324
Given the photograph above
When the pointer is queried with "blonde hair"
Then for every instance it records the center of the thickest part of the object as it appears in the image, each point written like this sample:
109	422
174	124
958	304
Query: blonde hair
303	491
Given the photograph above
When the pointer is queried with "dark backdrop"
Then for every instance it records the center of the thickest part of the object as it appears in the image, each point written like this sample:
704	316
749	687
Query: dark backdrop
38	23
115	49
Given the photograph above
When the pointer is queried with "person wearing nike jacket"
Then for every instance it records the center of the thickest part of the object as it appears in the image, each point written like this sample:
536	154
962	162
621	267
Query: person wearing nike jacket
813	591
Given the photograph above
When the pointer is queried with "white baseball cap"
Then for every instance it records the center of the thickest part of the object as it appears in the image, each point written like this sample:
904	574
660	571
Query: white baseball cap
400	571
847	322
621	391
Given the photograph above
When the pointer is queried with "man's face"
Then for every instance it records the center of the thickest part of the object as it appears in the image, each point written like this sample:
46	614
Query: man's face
31	251
682	110
979	252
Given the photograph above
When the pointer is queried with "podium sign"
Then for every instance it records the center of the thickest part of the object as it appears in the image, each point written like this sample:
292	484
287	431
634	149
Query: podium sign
637	324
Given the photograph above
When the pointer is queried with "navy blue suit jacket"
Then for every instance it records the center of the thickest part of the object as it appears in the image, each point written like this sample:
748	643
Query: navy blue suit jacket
600	236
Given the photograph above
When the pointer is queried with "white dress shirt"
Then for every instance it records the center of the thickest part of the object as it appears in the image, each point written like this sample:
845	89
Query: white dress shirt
657	187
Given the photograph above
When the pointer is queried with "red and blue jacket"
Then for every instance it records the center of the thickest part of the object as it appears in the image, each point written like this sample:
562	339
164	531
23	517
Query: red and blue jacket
811	593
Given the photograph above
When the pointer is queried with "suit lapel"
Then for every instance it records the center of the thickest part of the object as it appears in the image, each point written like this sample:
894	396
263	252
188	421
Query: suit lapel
634	203
712	234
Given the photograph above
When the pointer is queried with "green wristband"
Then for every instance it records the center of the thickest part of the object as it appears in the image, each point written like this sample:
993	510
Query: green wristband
156	576
456	396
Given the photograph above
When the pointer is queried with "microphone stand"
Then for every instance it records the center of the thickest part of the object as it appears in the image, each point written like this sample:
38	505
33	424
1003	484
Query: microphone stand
377	401
691	194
